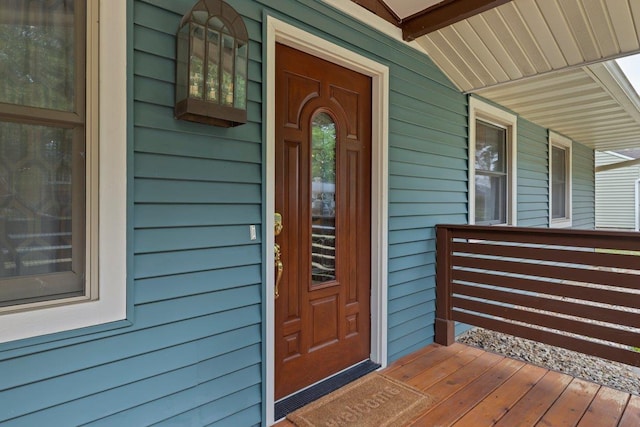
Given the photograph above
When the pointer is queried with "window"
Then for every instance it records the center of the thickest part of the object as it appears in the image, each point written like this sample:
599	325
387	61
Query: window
492	160
42	143
53	170
559	181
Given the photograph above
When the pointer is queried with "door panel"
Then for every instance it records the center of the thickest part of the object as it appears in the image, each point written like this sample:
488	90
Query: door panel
323	191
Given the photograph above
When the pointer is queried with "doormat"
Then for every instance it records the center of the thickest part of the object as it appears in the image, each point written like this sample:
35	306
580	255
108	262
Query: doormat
372	401
315	392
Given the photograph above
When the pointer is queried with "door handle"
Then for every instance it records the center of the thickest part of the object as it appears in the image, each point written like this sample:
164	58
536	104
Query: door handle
277	229
279	268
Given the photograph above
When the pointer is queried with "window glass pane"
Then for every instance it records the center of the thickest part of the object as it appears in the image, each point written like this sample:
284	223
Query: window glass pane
323	199
491	199
213	60
241	77
558	183
491	147
196	71
42	167
228	51
36	196
37	53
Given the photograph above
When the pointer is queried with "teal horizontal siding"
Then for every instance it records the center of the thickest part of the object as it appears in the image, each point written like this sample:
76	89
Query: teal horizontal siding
114	362
148	140
163	368
397	182
533	175
194	283
424	235
417	222
584	185
161	166
168	263
411	248
194	192
232	393
197	190
190	215
174	239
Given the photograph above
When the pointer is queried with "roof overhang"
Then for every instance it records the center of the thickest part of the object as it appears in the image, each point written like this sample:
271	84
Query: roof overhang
544	59
419	17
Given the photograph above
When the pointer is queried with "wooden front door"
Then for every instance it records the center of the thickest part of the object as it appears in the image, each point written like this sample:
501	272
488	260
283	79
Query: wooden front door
323	192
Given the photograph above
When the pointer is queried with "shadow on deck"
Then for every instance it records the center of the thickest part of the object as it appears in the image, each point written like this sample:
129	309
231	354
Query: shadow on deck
472	387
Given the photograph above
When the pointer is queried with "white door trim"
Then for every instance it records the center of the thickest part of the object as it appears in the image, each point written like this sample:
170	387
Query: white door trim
281	32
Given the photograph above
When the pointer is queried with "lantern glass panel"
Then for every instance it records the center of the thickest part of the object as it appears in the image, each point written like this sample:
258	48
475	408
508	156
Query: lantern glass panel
241	77
216	24
228	50
200	16
196	66
182	60
213	65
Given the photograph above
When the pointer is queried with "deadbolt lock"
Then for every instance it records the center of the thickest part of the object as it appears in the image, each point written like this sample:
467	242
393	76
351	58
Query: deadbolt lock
277	226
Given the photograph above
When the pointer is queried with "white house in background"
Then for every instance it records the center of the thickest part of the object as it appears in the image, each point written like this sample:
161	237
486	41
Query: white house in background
617	192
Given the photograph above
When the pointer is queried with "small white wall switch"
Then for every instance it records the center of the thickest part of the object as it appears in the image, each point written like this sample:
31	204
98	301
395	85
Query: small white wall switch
252	232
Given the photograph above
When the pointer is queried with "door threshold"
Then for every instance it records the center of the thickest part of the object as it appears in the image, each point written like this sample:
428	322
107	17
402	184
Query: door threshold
324	387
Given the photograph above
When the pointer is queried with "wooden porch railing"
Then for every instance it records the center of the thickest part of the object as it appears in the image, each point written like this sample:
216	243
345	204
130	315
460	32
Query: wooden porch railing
574	289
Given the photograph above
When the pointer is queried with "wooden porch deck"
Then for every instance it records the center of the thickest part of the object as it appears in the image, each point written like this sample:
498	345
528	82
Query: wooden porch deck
475	388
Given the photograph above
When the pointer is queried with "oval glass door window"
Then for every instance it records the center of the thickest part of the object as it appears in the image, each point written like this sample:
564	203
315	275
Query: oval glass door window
323	199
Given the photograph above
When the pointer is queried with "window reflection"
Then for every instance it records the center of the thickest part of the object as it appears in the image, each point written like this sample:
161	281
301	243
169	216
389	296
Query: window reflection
559	183
323	198
491	174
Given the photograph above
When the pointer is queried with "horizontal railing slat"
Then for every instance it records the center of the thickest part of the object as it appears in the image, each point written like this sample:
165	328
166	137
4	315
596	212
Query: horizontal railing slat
600	277
573	290
602	314
577	327
552	338
615	240
549	254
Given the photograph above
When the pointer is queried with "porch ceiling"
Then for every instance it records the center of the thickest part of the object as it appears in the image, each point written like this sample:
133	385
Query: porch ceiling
543	59
594	105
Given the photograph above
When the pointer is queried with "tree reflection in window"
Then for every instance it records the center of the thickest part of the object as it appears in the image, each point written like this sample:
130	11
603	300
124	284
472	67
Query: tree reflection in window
323	199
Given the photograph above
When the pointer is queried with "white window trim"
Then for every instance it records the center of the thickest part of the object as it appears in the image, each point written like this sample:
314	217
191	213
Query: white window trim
111	304
637	205
556	140
480	110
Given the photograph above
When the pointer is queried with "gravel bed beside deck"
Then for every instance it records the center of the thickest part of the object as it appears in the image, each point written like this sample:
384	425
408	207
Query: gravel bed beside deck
613	374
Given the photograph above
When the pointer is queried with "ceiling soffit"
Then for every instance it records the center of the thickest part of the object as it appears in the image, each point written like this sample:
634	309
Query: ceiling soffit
524	38
591	105
547	61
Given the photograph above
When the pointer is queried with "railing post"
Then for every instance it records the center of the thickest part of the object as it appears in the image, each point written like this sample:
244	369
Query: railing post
444	326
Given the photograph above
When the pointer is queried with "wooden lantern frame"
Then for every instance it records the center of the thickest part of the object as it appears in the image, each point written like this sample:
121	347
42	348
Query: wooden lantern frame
212	57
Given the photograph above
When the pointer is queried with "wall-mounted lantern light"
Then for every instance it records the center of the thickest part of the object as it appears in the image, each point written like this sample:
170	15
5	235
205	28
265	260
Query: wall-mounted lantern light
211	70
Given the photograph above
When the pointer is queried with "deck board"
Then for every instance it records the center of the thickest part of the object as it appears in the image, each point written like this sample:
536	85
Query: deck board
474	388
606	409
495	406
631	416
467	397
571	405
535	403
432	375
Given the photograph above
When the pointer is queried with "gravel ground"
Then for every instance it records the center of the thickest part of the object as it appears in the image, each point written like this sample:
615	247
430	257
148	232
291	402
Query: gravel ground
615	375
